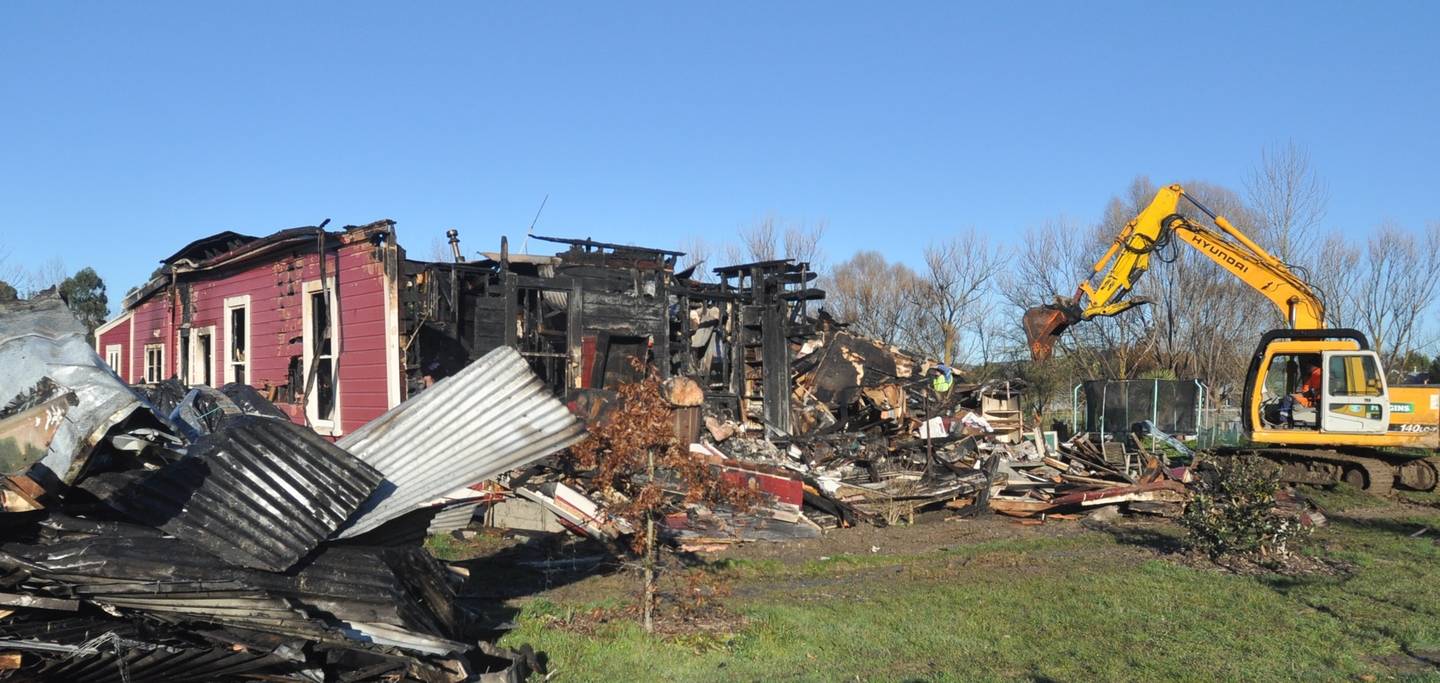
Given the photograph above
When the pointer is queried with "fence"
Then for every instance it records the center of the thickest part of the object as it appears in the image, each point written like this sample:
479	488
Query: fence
1114	406
1219	427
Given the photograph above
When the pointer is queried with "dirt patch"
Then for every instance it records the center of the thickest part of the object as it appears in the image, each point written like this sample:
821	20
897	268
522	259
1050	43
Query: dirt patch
1294	564
615	579
930	532
668	621
690	603
1415	662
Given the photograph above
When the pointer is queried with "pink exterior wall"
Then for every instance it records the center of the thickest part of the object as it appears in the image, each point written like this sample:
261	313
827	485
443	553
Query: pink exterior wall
119	334
363	379
149	321
275	283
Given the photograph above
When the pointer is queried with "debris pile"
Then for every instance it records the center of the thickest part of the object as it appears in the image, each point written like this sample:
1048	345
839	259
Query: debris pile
878	440
881	436
1081	476
198	534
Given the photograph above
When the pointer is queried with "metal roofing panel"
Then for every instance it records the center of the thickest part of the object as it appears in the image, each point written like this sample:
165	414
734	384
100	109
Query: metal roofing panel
397	597
138	662
39	339
258	492
91	648
492	416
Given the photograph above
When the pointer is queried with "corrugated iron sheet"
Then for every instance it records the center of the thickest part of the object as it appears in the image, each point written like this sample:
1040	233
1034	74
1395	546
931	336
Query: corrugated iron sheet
413	527
385	596
259	492
453	518
493	416
157	663
107	650
40	338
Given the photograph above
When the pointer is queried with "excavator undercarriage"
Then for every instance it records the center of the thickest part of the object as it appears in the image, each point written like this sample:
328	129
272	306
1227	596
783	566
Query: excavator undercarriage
1373	471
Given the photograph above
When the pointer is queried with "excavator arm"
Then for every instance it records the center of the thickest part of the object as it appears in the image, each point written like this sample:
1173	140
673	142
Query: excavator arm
1148	235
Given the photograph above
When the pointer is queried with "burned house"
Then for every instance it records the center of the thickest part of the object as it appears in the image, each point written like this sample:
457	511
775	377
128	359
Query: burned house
336	327
597	314
305	315
580	316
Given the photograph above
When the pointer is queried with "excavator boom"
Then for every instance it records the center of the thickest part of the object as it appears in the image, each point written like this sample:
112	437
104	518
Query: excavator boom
1128	258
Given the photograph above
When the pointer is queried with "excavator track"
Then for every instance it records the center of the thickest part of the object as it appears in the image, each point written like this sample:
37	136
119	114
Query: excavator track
1375	472
1420	475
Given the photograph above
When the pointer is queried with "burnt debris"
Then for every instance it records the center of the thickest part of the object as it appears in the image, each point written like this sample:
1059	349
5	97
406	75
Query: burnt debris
189	533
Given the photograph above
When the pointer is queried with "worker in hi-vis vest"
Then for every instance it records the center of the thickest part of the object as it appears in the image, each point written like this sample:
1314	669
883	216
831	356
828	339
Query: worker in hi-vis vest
942	379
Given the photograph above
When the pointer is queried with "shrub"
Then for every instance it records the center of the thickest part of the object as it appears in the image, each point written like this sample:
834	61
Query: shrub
1233	512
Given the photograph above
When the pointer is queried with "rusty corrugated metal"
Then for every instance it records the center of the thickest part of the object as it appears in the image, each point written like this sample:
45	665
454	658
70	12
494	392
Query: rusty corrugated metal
492	416
259	492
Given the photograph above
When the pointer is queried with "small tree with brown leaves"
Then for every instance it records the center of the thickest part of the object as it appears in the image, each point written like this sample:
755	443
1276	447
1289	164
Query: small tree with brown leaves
628	450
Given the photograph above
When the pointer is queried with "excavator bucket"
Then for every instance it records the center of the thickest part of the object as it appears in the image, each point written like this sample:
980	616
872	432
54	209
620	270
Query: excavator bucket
1043	325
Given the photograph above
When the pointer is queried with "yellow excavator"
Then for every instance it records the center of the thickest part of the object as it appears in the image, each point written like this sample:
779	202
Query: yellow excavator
1316	400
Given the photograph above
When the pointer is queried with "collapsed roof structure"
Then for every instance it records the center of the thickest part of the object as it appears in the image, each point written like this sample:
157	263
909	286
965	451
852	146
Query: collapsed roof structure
153	537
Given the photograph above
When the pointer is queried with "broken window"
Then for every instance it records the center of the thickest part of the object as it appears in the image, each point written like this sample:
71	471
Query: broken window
237	339
182	353
204	357
319	351
154	363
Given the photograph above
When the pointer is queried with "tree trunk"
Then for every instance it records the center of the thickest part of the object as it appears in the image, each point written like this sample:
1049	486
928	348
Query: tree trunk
648	597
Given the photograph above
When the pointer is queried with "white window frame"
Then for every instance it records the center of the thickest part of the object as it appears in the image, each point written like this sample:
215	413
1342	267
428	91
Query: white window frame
115	357
197	374
232	304
145	363
330	427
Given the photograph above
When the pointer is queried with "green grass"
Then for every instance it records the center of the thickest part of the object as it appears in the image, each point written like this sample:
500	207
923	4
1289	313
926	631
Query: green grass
1080	607
451	549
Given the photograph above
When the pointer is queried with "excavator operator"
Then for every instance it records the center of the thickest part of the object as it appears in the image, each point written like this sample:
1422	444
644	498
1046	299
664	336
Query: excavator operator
1307	398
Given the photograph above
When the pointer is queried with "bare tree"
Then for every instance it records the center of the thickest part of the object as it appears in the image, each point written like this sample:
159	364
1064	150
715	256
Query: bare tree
803	243
1289	199
1206	319
758	239
1335	275
872	295
959	274
1398	285
1050	260
33	281
10	275
440	250
771	238
697	255
733	254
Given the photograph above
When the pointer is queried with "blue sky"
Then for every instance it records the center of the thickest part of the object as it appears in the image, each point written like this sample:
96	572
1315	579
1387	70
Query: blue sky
129	129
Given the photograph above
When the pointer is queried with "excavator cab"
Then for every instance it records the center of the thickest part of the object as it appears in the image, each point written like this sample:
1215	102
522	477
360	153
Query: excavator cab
1318	386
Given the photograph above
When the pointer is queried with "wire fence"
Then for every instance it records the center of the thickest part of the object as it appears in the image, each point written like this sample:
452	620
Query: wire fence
1219	427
